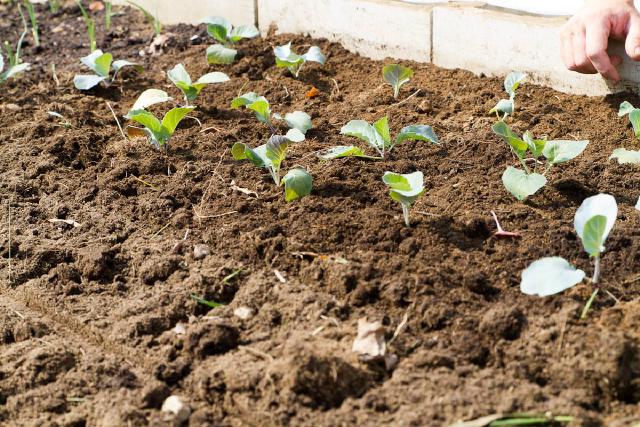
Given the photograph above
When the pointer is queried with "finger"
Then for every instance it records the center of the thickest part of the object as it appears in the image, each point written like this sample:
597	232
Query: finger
616	60
597	41
632	45
579	51
565	49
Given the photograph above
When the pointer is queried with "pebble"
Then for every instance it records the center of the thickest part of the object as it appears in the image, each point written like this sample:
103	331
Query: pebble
200	251
177	407
243	312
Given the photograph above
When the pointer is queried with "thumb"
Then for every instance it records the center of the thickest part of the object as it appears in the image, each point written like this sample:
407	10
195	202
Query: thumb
632	45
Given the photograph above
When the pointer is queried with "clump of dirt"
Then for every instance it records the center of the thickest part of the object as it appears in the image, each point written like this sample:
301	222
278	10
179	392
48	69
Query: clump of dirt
98	323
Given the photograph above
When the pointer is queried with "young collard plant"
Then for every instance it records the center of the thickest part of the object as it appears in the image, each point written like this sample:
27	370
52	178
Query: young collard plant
286	58
593	222
159	132
12	70
151	18
299	122
297	182
101	63
405	189
227	35
379	137
526	182
507	106
396	75
181	78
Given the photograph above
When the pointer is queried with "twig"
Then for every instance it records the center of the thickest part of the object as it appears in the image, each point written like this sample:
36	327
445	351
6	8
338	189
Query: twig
159	231
335	82
500	232
279	276
397	104
117	122
255	352
9	230
209	128
212	216
153	187
400	327
55	75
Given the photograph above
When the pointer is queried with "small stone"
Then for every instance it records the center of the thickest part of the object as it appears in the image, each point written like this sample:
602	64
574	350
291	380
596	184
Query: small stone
180	329
177	407
243	312
200	251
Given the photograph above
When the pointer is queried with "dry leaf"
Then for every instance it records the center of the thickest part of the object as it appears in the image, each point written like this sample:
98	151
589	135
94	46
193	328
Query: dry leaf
65	221
134	132
313	92
369	344
243	190
96	6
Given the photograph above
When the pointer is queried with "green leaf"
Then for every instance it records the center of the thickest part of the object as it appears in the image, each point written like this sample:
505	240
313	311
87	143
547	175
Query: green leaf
505	106
382	127
218	54
625	108
211	78
90	61
364	131
299	120
179	74
563	151
210	304
241	151
14	70
244	100
536	146
294	135
343	151
519	146
121	63
150	97
603	205
218	27
297	184
549	276
404	188
146	119
396	75
521	184
1	62
174	117
276	150
634	118
261	109
286	56
417	133
314	54
244	32
625	156
513	81
103	64
87	81
593	235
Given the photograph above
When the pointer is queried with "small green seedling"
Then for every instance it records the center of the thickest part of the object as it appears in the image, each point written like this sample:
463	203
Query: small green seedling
180	77
593	222
396	75
101	63
405	189
634	116
286	58
226	34
207	303
153	19
62	120
159	132
507	106
34	21
297	182
378	135
299	122
526	182
12	70
91	26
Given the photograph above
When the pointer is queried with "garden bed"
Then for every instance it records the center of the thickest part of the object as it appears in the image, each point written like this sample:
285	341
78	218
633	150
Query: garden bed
88	313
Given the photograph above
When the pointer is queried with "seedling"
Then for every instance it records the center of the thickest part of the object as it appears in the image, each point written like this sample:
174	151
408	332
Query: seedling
34	21
180	77
593	222
526	182
299	122
210	304
101	63
286	58
160	132
405	189
379	137
91	27
12	70
507	106
153	19
226	34
396	75
297	182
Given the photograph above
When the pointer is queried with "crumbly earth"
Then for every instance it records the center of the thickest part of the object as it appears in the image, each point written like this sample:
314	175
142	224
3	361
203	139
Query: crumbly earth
88	313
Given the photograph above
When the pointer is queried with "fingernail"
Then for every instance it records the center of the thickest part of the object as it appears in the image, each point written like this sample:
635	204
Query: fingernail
637	51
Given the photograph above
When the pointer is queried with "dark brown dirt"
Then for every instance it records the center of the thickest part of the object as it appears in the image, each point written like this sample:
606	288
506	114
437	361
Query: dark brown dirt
87	313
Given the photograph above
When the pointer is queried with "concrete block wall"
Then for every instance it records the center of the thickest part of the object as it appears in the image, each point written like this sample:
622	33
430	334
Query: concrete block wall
468	34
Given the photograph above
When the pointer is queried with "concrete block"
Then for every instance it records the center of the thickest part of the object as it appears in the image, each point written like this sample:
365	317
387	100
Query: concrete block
496	42
193	11
373	28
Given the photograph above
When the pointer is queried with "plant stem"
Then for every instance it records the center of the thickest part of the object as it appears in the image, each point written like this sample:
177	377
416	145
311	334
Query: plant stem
396	91
524	165
275	176
547	169
596	270
34	21
588	305
107	15
405	213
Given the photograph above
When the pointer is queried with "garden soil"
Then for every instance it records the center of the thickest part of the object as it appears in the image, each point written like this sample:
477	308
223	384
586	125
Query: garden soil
97	321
